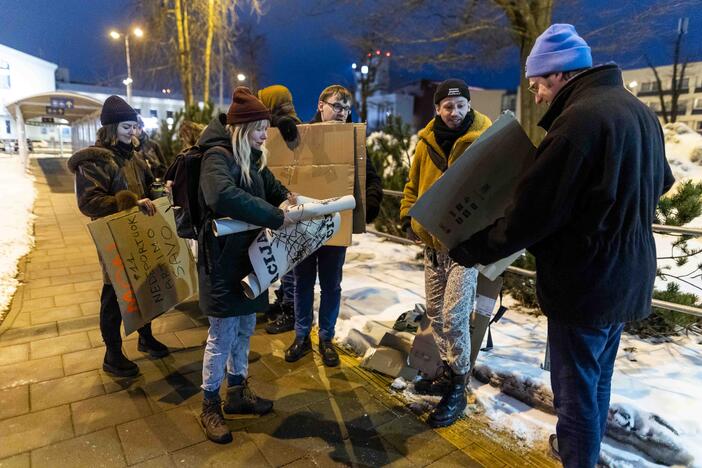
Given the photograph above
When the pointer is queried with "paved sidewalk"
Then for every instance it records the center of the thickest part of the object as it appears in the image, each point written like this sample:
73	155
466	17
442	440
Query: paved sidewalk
58	408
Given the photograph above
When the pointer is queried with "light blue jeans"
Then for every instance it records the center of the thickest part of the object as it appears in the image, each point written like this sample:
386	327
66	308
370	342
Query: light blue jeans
227	346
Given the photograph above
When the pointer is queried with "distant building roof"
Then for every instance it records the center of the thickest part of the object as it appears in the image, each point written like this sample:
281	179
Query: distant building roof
26	56
89	88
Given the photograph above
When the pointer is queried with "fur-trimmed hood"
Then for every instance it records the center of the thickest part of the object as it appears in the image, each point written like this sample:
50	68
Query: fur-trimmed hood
94	154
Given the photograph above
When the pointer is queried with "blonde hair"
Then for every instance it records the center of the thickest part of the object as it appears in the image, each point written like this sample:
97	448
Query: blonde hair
241	148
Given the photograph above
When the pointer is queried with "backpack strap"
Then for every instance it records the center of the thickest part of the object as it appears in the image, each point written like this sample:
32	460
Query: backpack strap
438	160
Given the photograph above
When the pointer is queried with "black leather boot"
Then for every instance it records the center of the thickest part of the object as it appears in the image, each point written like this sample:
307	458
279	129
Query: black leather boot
242	400
150	345
453	402
329	355
117	364
213	421
299	348
436	386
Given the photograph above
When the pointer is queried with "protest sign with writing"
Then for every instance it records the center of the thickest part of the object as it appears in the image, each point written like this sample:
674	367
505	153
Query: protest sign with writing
150	267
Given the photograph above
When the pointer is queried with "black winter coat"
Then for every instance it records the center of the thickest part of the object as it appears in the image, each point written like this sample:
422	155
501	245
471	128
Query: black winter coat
102	172
585	207
374	184
224	261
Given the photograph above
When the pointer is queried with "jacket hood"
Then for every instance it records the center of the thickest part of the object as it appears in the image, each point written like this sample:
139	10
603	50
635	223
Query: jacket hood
480	123
602	75
215	134
89	154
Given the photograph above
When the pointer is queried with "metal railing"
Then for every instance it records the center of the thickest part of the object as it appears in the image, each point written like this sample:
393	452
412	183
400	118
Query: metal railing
659	228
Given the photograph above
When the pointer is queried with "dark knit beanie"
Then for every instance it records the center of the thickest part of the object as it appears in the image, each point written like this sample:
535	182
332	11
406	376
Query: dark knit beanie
116	110
246	107
451	88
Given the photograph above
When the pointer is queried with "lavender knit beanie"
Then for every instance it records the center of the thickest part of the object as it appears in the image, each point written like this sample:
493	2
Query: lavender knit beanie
558	49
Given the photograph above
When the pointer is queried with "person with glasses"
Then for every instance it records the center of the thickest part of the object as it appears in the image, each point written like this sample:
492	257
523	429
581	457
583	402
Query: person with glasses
334	105
450	288
584	209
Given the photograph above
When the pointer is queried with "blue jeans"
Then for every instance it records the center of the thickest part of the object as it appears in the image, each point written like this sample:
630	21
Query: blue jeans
329	260
227	346
582	363
287	288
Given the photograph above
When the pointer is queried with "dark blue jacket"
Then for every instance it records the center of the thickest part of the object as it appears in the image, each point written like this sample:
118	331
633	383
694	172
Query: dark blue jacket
224	261
585	207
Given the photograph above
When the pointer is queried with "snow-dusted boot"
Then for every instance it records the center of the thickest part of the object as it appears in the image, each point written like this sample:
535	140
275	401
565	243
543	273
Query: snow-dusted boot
436	386
453	402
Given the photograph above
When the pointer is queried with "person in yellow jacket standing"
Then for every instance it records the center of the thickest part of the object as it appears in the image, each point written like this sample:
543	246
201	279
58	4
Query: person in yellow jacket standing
450	287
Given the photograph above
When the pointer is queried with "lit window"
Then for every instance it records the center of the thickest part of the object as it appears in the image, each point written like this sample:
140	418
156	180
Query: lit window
7	127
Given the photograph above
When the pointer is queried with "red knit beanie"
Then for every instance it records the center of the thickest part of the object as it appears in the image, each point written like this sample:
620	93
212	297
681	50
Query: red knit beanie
246	107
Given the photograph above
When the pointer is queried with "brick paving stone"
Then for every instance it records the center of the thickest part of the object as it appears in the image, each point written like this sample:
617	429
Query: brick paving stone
92	285
163	461
48	272
109	410
14	401
34	430
14	353
65	390
59	345
457	458
160	434
16	461
38	292
55	314
71	278
291	392
66	327
174	389
90	308
357	411
242	452
41	303
85	268
77	297
100	448
27	334
82	361
193	337
415	440
172	323
130	345
26	372
360	451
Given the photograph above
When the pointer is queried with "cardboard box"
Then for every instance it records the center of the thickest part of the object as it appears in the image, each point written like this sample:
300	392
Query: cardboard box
330	161
150	267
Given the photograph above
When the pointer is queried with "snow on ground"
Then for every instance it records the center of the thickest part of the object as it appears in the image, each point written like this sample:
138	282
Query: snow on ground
383	279
16	200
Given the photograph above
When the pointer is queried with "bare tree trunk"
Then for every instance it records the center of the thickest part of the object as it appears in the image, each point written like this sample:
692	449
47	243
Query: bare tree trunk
184	61
661	92
208	48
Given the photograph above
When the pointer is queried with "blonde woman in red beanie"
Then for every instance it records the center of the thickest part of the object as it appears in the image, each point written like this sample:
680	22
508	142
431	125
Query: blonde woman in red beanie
234	182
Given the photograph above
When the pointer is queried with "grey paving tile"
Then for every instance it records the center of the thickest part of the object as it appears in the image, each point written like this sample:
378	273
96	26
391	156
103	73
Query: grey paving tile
34	430
100	448
193	337
59	345
55	314
65	390
174	389
77	297
82	361
373	451
130	345
415	440
14	401
66	327
26	372
164	461
356	410
109	410
240	453
27	334
171	323
456	458
159	434
14	353
16	461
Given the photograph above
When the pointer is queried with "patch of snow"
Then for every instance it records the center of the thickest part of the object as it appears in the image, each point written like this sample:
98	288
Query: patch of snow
17	196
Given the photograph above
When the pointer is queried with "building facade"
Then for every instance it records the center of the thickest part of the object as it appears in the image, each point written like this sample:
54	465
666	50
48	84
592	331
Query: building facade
642	82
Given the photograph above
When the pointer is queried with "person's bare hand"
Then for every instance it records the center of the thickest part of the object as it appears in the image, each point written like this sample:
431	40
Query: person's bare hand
292	198
147	206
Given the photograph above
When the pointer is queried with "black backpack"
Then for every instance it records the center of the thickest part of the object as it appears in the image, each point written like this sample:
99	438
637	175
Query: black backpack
185	174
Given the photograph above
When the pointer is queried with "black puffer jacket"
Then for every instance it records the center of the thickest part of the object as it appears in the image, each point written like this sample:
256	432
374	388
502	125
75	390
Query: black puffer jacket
224	261
585	208
102	172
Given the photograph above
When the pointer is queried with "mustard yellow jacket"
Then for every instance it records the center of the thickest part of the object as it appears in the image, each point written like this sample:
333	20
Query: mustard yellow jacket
423	172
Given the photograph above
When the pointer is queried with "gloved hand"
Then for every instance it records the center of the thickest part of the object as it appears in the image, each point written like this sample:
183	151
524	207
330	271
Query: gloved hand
409	232
288	130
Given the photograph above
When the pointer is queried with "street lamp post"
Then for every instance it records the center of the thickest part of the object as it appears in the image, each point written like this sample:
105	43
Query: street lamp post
138	32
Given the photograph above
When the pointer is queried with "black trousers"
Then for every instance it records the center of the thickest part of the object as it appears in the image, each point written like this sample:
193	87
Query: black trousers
111	319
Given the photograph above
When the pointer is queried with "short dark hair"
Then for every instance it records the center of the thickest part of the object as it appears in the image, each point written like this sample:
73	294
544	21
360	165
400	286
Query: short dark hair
334	90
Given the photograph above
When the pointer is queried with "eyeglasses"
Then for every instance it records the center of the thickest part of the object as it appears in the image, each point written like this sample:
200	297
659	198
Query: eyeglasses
338	108
534	87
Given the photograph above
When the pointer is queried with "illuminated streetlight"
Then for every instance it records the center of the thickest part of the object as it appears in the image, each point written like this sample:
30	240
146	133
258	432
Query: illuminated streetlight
241	77
633	84
354	66
138	32
364	69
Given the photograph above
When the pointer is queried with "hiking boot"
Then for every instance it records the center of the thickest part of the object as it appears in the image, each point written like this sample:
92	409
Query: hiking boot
242	400
329	354
299	348
213	421
284	322
436	386
453	402
553	444
117	364
151	346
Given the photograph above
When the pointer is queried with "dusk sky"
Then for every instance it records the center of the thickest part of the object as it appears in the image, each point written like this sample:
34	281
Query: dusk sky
303	52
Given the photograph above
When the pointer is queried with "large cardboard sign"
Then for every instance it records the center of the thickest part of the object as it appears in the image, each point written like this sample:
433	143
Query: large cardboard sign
476	190
329	162
150	267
